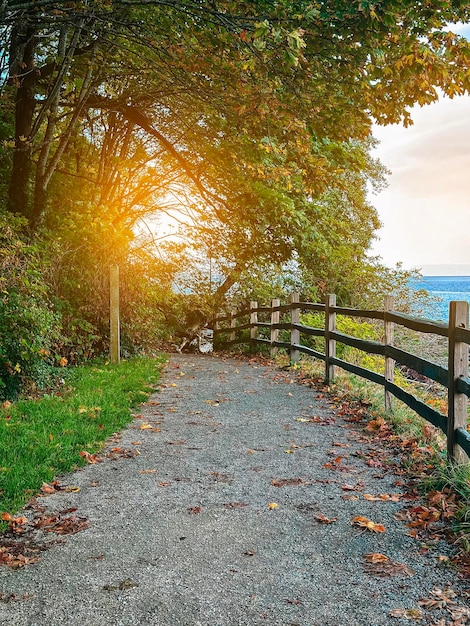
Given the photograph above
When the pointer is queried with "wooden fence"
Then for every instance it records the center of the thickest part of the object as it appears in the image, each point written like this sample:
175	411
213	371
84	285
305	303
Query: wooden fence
454	378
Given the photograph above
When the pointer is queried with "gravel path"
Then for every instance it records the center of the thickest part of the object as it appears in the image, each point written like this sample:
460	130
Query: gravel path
183	533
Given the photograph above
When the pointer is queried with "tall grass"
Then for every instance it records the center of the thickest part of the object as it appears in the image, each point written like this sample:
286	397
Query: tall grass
42	438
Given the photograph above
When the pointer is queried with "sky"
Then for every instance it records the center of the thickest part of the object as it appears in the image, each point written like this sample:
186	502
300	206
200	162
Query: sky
425	211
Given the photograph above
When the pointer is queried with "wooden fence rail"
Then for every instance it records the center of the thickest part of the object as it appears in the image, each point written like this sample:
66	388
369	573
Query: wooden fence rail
454	378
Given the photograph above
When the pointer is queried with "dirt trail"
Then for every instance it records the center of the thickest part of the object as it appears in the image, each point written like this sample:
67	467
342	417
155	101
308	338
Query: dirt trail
237	510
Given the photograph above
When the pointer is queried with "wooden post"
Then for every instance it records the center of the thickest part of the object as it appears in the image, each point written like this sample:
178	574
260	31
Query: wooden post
330	344
114	325
233	323
294	332
389	362
275	317
458	368
253	325
215	338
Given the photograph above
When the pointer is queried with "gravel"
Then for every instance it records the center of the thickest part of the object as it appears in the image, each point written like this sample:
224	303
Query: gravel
182	534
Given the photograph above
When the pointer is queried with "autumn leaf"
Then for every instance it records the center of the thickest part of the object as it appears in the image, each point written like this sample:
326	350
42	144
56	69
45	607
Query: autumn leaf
410	614
273	505
90	458
334	464
347	487
287	482
380	565
394	497
235	505
195	510
145	426
321	519
47	489
374	426
366	523
148	471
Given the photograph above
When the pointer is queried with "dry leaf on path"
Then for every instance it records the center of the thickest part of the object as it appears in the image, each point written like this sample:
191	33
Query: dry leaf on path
385	567
90	458
321	519
194	510
375	557
273	505
410	614
288	482
392	497
235	505
366	523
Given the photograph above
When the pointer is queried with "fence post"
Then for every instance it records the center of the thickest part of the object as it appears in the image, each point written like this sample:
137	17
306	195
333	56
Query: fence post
253	325
457	368
294	332
330	344
275	317
114	323
215	338
233	323
389	362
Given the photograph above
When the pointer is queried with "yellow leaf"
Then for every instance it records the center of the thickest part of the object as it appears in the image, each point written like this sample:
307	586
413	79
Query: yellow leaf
364	522
375	557
273	505
146	426
289	451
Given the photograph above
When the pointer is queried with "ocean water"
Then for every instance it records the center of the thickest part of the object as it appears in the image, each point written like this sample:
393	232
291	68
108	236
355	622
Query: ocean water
444	289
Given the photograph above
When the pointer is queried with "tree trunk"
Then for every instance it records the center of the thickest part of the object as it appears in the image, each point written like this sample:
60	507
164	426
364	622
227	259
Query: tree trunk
23	75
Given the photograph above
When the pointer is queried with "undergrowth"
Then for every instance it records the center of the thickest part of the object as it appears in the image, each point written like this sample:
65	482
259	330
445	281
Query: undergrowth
42	438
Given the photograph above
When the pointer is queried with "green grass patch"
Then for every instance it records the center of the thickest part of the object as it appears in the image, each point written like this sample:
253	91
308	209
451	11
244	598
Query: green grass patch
42	438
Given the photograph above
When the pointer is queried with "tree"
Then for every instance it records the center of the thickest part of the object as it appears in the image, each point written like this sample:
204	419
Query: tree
258	114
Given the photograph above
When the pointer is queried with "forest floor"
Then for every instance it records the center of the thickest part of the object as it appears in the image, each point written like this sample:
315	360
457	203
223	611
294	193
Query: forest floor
236	496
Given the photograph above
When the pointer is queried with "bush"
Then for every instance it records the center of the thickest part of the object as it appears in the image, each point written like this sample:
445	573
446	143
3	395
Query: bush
29	327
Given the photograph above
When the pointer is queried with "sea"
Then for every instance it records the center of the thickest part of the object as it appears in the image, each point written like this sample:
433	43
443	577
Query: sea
443	289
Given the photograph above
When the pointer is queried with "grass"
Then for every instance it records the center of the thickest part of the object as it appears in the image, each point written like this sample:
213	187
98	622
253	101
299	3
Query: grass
42	438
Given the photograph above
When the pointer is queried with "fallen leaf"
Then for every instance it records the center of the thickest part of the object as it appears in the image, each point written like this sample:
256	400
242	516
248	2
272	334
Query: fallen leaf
235	505
273	505
321	519
296	601
287	482
145	426
181	442
393	497
366	523
195	509
164	484
380	565
375	557
148	471
90	458
249	553
410	614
